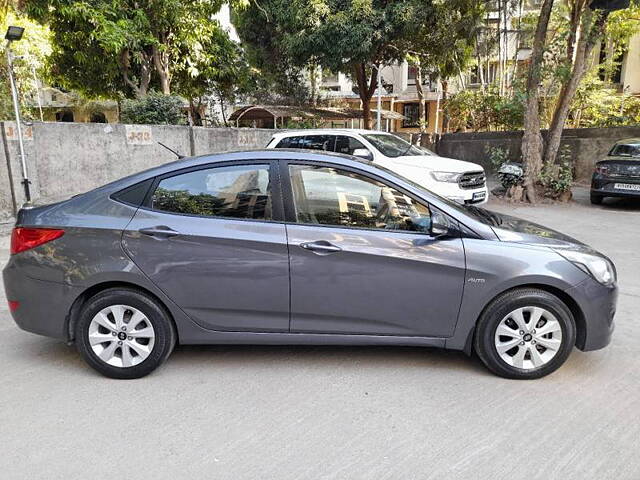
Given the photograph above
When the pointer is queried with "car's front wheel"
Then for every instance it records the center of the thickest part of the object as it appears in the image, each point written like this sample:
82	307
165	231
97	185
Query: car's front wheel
124	333
525	334
595	199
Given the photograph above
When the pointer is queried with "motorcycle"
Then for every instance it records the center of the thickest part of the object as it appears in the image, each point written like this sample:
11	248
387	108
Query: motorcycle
510	174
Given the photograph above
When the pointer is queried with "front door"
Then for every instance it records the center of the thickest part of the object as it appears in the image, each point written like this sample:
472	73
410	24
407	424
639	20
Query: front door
362	260
209	239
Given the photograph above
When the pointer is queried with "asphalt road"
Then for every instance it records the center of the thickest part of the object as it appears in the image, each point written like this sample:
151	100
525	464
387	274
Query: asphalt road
335	413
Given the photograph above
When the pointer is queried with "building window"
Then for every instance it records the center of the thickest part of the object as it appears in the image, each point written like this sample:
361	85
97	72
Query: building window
412	113
412	74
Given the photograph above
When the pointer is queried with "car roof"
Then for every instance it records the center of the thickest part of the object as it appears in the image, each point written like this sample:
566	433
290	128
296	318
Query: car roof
327	131
629	141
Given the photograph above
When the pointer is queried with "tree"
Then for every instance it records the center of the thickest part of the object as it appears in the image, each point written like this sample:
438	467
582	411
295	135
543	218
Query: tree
29	65
444	49
125	47
356	38
582	31
532	144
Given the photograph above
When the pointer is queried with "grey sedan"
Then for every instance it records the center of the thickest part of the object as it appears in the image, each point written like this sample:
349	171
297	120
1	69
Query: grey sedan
296	247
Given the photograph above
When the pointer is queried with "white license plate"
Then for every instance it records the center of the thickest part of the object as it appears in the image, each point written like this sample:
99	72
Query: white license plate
479	195
626	186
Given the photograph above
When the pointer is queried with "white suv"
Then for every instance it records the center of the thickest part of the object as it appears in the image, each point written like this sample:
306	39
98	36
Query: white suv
463	182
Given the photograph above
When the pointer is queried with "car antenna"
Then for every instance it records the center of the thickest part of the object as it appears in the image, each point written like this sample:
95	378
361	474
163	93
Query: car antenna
172	151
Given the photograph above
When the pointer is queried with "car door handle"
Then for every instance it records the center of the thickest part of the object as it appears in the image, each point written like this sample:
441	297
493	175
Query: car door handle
161	231
320	247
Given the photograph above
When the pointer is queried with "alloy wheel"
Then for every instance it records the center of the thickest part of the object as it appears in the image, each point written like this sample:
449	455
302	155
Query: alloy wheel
121	336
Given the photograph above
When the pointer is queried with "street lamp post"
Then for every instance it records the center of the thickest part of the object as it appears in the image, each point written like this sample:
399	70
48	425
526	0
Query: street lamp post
13	35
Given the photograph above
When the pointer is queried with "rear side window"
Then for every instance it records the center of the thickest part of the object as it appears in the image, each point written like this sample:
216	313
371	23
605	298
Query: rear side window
135	194
320	142
239	191
291	142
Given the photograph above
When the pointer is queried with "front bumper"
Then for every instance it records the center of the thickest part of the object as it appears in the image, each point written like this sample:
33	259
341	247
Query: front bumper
598	306
43	305
472	196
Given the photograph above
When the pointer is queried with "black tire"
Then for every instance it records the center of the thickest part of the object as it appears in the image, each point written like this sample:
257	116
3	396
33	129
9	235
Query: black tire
164	331
499	308
596	199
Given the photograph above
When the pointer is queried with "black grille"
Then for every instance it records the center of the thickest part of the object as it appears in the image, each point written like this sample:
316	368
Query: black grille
472	180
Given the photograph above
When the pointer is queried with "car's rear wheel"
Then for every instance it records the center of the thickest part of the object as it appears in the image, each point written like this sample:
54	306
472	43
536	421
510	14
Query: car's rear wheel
525	334
596	199
124	333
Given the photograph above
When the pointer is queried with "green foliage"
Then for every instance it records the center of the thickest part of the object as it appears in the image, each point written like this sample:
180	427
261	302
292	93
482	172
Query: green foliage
154	109
558	178
285	36
125	48
598	105
485	110
497	156
30	62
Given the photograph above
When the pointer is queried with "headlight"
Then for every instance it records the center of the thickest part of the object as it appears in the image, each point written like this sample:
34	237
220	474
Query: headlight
598	267
449	177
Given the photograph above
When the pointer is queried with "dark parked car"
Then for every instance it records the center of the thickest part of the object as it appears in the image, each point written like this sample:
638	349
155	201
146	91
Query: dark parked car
295	247
618	175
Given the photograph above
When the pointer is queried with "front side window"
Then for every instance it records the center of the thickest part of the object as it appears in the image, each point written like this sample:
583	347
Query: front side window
347	145
320	142
239	191
328	196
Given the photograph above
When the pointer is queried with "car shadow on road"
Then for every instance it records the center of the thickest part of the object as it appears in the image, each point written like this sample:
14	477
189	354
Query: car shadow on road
581	197
305	356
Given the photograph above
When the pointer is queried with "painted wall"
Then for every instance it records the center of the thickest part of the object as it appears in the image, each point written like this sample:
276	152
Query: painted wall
64	159
587	146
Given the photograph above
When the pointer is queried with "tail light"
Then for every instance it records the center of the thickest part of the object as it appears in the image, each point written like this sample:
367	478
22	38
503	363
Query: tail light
602	169
27	238
13	305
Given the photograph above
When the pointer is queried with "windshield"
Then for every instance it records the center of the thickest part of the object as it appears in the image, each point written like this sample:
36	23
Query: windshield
626	150
480	214
392	146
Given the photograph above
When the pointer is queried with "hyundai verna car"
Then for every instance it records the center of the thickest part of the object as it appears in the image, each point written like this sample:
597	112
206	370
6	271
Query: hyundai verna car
618	175
296	247
457	180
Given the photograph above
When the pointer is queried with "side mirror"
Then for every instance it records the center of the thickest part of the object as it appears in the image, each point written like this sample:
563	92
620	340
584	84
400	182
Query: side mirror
362	153
440	225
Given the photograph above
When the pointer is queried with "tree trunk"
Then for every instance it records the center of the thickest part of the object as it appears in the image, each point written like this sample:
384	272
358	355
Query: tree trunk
588	37
313	80
141	88
366	88
532	139
161	62
443	106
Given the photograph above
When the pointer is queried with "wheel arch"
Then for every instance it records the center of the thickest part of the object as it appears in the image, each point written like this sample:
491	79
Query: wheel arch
79	302
572	305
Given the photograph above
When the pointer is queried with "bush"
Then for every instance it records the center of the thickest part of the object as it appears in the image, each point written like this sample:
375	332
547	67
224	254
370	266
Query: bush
154	109
558	178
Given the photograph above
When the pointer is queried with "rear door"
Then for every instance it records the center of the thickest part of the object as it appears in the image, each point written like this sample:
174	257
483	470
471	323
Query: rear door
212	238
362	260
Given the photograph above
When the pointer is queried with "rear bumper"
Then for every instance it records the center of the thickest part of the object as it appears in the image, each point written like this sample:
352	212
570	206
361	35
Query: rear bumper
598	305
605	186
43	306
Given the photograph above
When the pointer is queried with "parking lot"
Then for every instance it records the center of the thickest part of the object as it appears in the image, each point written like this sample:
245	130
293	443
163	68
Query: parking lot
242	412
